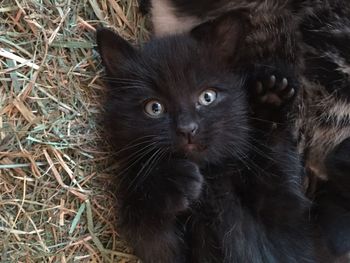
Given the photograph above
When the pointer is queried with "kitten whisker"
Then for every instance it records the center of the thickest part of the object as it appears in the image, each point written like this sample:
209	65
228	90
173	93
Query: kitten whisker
139	151
123	80
254	146
257	150
251	165
134	144
242	158
148	162
263	120
152	165
129	87
136	158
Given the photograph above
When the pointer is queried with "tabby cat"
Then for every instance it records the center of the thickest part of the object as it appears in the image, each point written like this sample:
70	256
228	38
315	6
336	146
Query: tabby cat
313	35
205	176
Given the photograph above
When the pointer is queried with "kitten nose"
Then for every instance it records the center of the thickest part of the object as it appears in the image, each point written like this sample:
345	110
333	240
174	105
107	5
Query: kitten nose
188	129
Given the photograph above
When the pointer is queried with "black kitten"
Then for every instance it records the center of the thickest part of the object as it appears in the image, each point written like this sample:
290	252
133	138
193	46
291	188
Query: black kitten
205	176
314	36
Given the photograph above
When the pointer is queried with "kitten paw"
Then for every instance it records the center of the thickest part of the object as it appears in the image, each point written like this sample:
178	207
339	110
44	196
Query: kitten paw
182	185
274	91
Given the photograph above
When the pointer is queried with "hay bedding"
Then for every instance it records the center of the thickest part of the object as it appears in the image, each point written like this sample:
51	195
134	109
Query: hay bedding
54	203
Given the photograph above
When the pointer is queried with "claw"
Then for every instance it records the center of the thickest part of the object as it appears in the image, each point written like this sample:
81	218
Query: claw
284	84
290	93
272	82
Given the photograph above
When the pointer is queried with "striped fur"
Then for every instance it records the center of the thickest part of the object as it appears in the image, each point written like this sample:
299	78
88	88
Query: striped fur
324	119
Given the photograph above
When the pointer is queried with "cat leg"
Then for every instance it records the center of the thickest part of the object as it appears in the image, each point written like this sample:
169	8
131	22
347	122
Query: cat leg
149	208
276	196
333	200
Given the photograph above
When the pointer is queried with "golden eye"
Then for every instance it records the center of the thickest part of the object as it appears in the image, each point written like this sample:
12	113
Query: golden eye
154	108
207	97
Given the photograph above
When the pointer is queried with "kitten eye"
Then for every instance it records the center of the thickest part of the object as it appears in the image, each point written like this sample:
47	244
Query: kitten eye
154	108
207	97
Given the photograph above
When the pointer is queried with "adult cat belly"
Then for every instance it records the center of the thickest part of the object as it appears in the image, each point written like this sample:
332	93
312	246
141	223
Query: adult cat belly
323	123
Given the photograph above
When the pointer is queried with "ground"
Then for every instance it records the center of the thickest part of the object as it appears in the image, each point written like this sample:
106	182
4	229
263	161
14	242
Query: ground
56	203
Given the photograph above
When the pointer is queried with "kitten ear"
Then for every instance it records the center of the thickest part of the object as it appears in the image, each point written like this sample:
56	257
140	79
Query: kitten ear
113	49
223	35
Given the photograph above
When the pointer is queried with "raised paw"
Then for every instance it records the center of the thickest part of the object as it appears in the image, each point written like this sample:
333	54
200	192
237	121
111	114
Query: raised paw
181	185
274	91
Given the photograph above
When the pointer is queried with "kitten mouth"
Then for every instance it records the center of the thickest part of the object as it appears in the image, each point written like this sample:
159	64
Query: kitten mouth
192	147
192	151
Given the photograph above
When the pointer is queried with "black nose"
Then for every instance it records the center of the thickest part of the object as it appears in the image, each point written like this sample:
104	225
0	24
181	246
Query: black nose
188	129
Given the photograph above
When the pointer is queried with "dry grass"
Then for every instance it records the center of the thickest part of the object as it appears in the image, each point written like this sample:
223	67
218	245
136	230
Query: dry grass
54	203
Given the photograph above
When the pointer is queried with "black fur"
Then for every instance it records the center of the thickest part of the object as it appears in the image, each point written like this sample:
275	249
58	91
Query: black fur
236	195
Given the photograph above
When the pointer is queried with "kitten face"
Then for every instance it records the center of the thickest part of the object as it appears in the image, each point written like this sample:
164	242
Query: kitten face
173	97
